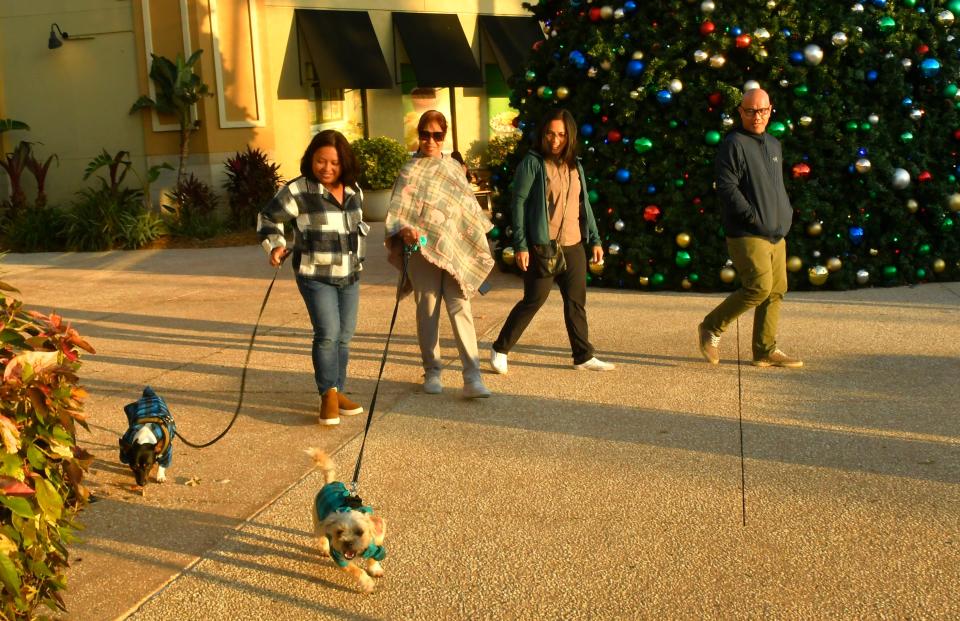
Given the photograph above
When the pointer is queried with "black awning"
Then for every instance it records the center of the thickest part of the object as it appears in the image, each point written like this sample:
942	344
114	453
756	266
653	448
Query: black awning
438	49
513	38
343	48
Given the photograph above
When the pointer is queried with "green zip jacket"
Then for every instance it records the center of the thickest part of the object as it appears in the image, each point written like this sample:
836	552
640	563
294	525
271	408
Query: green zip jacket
531	222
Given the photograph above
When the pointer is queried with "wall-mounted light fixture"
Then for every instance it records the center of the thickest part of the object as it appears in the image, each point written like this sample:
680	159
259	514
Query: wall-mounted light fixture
54	41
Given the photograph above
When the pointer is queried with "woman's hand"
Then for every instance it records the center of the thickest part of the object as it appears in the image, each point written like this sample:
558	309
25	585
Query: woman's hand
598	254
278	254
522	259
409	235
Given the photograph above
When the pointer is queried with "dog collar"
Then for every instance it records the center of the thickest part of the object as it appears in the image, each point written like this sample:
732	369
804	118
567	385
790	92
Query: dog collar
161	422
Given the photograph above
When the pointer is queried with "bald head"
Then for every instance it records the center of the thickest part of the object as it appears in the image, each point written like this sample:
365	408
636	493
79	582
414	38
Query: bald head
755	110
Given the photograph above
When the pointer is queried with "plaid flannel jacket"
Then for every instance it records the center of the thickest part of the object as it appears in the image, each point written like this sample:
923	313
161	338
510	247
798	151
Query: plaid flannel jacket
329	239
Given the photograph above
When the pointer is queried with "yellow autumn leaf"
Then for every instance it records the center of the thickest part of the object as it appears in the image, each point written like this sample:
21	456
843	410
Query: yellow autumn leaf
9	434
7	545
39	361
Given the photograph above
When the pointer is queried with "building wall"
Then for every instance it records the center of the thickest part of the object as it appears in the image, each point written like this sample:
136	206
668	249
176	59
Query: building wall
77	98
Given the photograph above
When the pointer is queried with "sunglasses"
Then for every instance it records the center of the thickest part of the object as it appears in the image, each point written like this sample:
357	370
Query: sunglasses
437	136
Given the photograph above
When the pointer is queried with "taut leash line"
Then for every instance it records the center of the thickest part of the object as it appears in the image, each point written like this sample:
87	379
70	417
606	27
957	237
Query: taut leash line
243	375
743	479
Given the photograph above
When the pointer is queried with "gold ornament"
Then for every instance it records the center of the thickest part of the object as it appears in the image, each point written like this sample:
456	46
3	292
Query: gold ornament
939	265
818	275
955	201
727	275
834	264
644	281
563	92
794	264
685	283
596	268
683	239
508	255
912	205
814	229
631	269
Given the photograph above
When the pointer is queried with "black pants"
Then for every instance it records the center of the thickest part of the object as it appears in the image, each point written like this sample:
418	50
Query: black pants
573	289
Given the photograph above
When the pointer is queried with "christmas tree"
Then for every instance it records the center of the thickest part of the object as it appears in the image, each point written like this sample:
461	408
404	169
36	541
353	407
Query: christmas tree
865	104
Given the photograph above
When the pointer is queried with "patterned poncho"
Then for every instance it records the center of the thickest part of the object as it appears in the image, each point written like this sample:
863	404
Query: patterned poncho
432	195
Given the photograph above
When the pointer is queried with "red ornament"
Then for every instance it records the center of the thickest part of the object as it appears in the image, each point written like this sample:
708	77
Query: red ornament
922	49
800	171
537	45
696	200
924	176
651	213
956	134
707	27
742	41
715	98
595	14
604	118
614	135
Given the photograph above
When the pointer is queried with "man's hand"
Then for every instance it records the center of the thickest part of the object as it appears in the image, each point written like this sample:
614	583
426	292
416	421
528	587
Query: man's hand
598	254
522	258
278	254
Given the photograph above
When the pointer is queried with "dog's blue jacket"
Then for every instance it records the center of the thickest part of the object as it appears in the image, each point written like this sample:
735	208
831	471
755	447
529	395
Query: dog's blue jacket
150	406
332	498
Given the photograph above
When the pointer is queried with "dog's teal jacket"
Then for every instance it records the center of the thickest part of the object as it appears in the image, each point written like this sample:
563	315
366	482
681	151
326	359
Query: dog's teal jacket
150	409
334	497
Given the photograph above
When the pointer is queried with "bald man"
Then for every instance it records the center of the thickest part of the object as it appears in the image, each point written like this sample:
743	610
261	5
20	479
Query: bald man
756	216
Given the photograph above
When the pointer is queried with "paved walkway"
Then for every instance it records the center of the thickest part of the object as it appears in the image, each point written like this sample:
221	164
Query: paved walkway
567	495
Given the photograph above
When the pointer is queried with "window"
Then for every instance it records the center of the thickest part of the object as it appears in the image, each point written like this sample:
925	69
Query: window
339	109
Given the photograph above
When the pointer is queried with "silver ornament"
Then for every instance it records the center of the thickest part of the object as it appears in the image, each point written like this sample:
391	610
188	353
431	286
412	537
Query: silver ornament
637	55
614	249
900	179
862	166
761	34
707	6
605	89
813	54
771	4
839	39
945	18
618	225
699	56
618	14
874	118
726	122
717	61
863	277
912	205
815	254
916	114
634	94
906	63
675	86
750	85
857	8
805	121
784	83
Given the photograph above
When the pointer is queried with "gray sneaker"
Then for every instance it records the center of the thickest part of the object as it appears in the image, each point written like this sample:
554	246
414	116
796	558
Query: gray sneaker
474	389
709	344
777	358
432	385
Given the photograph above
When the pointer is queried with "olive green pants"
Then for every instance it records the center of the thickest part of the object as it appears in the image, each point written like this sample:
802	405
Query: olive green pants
762	268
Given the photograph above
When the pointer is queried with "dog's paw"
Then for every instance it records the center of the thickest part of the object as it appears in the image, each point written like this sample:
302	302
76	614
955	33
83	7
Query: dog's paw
161	475
367	584
375	569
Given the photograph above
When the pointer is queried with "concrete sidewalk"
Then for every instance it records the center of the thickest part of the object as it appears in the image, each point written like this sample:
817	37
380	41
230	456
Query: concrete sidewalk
567	495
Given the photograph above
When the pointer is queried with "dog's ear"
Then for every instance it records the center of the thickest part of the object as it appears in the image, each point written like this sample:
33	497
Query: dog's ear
379	528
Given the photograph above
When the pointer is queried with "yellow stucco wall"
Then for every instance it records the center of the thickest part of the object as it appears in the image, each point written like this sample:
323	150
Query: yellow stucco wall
77	97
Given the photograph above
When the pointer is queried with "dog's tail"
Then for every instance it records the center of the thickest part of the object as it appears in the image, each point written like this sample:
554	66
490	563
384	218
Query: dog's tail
322	461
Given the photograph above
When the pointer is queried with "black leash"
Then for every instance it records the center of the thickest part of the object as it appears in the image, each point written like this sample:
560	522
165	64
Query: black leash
743	480
243	375
383	363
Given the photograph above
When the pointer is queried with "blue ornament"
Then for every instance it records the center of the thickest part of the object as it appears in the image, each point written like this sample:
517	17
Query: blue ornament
930	67
577	59
586	130
623	175
872	75
851	169
651	189
736	31
635	68
879	3
856	235
786	32
906	102
796	57
629	6
664	97
862	152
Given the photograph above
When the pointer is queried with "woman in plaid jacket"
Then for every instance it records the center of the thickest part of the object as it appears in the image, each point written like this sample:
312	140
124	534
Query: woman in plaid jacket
323	207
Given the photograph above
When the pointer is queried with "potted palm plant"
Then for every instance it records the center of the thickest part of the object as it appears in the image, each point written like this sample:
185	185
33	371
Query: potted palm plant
379	160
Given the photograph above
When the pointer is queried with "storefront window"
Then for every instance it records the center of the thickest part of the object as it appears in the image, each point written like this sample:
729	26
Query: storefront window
339	109
500	114
418	100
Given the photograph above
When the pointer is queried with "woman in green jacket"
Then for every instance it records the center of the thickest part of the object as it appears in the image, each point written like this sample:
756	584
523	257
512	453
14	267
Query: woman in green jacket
550	202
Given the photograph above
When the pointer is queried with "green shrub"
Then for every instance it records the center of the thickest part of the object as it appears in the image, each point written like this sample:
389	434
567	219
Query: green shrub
139	229
98	216
41	466
194	210
380	160
37	229
251	182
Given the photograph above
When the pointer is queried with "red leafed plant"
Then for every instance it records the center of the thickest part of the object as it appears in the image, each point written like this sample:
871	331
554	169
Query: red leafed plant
41	466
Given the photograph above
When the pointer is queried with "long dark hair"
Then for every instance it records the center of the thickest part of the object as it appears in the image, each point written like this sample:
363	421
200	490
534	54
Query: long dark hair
569	152
331	138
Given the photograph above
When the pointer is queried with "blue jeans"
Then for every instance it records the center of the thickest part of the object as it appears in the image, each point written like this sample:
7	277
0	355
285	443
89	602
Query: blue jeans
333	313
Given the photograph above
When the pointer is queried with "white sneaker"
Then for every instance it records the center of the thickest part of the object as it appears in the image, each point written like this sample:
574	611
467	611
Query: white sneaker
594	364
474	389
498	361
432	385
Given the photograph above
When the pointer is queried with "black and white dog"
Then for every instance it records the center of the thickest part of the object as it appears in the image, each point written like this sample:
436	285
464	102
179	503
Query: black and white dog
149	437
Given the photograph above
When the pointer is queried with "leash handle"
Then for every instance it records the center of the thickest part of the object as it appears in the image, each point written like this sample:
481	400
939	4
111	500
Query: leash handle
243	375
354	485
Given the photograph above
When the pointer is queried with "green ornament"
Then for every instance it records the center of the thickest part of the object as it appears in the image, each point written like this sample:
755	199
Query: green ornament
906	137
851	126
593	196
912	3
530	75
865	126
546	93
951	178
678	183
921	273
924	249
673	123
712	137
887	24
694	277
889	272
683	258
801	90
777	129
595	108
656	279
953	5
950	90
495	232
947	225
642	145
